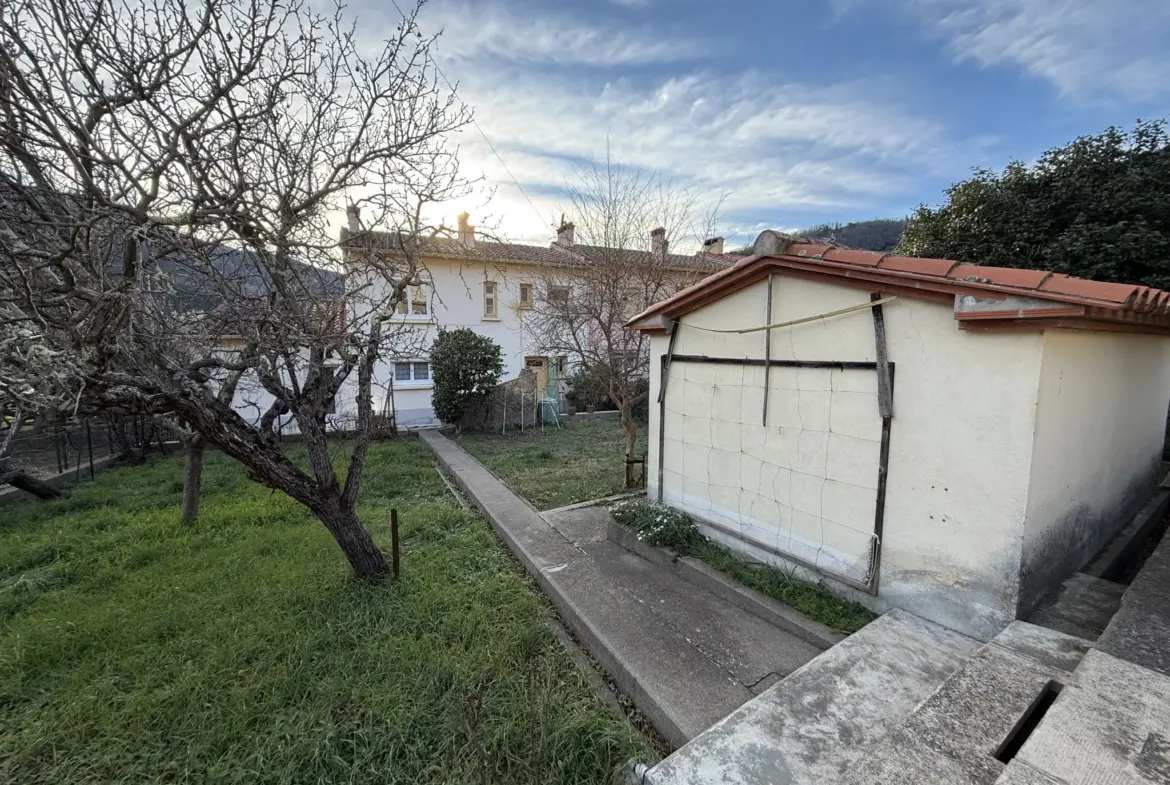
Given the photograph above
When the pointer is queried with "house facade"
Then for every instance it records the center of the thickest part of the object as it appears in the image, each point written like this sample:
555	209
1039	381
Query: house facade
949	439
486	286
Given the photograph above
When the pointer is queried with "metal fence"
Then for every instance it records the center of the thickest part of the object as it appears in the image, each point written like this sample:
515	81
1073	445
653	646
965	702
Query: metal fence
47	450
515	403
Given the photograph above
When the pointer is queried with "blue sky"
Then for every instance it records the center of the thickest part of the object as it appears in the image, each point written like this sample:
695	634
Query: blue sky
803	111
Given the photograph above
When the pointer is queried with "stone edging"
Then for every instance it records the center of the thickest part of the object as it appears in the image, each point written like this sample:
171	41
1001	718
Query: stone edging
707	577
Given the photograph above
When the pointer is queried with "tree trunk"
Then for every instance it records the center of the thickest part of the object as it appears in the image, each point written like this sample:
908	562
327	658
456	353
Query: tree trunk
192	479
355	540
30	484
631	439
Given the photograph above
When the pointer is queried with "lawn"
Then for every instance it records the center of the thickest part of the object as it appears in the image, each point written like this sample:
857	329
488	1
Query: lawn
239	650
555	467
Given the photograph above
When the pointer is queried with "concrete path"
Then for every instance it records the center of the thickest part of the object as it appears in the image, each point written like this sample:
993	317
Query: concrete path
686	657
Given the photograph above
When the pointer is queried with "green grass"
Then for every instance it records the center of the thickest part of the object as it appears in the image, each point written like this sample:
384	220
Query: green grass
663	526
810	599
556	467
240	650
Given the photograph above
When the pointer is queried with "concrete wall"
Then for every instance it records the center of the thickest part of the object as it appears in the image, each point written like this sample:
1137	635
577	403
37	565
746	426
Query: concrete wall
1100	425
960	445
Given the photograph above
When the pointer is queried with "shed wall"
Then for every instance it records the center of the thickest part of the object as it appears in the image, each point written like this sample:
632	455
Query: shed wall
1100	425
960	446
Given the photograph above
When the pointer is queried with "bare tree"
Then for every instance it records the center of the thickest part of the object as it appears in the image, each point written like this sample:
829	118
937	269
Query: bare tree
168	172
621	221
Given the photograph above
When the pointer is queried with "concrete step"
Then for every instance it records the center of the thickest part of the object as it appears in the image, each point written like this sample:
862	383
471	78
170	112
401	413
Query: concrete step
814	725
955	736
1083	606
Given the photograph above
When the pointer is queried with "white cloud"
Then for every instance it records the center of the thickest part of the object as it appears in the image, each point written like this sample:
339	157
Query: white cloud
773	146
544	90
488	29
1100	49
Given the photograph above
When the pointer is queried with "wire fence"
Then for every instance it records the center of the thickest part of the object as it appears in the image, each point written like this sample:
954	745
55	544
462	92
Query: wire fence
805	485
47	450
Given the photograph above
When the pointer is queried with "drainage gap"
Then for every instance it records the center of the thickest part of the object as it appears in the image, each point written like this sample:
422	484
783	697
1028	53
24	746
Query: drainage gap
1028	722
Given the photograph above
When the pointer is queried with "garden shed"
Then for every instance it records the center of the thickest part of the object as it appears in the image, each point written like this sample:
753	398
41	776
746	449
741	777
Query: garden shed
946	438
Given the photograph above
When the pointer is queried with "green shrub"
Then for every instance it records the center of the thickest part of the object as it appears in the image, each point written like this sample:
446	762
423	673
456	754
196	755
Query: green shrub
587	388
657	524
465	366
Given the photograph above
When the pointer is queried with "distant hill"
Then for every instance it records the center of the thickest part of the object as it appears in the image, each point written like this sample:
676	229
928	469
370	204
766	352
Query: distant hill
878	235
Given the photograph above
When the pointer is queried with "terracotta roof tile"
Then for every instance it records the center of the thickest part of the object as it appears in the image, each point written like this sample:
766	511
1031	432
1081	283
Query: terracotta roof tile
1004	276
1095	301
809	250
914	264
850	256
552	254
1097	290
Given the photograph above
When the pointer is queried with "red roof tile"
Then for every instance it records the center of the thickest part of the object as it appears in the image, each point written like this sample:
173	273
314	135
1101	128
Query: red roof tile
850	256
1094	302
914	264
1008	276
1098	290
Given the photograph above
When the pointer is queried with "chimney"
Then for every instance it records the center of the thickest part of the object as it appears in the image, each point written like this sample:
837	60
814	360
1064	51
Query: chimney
714	245
658	243
565	234
353	218
466	231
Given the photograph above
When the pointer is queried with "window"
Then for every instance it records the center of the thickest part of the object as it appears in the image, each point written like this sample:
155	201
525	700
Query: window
416	303
489	299
525	295
558	294
625	362
562	364
412	374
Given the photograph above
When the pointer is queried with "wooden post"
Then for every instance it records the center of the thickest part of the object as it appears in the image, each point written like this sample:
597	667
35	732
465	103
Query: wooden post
665	376
395	559
89	445
886	410
768	350
885	389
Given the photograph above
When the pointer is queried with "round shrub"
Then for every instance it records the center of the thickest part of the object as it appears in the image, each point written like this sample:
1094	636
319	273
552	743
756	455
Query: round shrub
465	366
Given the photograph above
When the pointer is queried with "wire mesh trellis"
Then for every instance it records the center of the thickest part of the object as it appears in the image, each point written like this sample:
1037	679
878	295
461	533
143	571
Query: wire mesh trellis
803	486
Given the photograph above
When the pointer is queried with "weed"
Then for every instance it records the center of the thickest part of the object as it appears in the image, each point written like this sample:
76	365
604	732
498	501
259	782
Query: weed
657	524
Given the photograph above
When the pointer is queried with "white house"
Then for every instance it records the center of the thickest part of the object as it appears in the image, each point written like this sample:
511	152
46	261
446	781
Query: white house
487	287
956	450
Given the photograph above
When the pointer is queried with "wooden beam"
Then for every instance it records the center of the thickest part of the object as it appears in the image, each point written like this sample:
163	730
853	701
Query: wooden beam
666	360
885	389
767	349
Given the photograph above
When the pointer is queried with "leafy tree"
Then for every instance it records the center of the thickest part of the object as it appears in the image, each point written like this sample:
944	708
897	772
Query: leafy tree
465	367
1098	208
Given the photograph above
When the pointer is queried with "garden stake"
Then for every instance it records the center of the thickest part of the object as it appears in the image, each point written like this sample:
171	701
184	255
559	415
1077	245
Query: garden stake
394	554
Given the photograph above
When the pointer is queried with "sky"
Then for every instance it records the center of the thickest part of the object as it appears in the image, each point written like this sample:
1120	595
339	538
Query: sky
797	111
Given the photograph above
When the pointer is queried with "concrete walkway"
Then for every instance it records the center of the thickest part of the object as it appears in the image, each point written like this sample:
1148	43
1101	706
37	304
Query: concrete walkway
686	657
